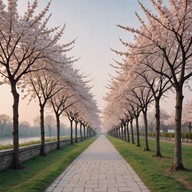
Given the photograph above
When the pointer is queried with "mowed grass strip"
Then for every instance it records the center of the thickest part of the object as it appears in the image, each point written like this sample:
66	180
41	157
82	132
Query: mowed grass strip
156	172
38	173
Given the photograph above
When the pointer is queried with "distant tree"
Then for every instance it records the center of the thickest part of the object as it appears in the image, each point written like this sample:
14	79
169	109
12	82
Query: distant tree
71	118
151	121
36	121
24	128
187	114
43	85
4	119
60	103
164	117
144	98
66	97
50	123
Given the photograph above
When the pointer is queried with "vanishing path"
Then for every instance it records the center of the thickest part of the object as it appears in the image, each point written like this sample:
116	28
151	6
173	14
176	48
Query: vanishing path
100	168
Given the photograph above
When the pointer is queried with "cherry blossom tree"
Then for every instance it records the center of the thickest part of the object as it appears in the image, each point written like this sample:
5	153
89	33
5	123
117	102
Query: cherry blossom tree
24	40
168	33
130	116
76	121
115	114
85	109
136	112
158	84
143	98
43	85
71	119
60	102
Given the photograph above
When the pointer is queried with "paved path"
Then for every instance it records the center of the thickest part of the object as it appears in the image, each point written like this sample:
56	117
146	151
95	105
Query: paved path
100	168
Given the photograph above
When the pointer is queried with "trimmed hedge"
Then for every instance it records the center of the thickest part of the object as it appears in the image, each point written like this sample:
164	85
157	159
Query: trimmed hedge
185	135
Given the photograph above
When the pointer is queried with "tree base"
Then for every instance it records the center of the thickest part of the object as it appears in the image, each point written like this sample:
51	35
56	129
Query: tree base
138	145
158	155
42	154
147	149
178	167
18	167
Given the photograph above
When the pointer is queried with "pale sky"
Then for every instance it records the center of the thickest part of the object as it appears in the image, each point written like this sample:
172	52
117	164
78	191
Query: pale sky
93	23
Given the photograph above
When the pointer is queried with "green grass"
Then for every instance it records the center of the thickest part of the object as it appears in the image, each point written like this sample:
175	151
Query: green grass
156	172
39	172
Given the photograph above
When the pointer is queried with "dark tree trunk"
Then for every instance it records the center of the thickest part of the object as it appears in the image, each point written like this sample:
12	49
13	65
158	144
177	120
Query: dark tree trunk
128	135
84	132
157	117
137	130
76	122
87	132
132	135
15	160
71	123
121	131
58	131
42	149
125	131
178	164
81	132
146	147
116	132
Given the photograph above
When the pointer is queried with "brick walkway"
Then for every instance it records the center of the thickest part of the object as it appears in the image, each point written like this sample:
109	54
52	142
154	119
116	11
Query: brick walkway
100	168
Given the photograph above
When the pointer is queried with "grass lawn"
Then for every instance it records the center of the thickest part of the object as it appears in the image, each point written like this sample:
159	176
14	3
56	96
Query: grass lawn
39	172
156	172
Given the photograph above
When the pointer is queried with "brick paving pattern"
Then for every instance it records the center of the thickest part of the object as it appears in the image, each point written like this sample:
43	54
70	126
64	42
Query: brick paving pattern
100	168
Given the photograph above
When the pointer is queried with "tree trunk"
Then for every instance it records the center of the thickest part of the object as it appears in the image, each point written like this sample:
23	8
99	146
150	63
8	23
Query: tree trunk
76	132
42	149
146	147
71	122
157	117
125	132
178	164
87	132
121	131
58	131
132	135
128	135
137	130
81	132
84	132
118	132
15	160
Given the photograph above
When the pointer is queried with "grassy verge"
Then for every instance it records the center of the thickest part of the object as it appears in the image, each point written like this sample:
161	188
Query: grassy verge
156	172
40	172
